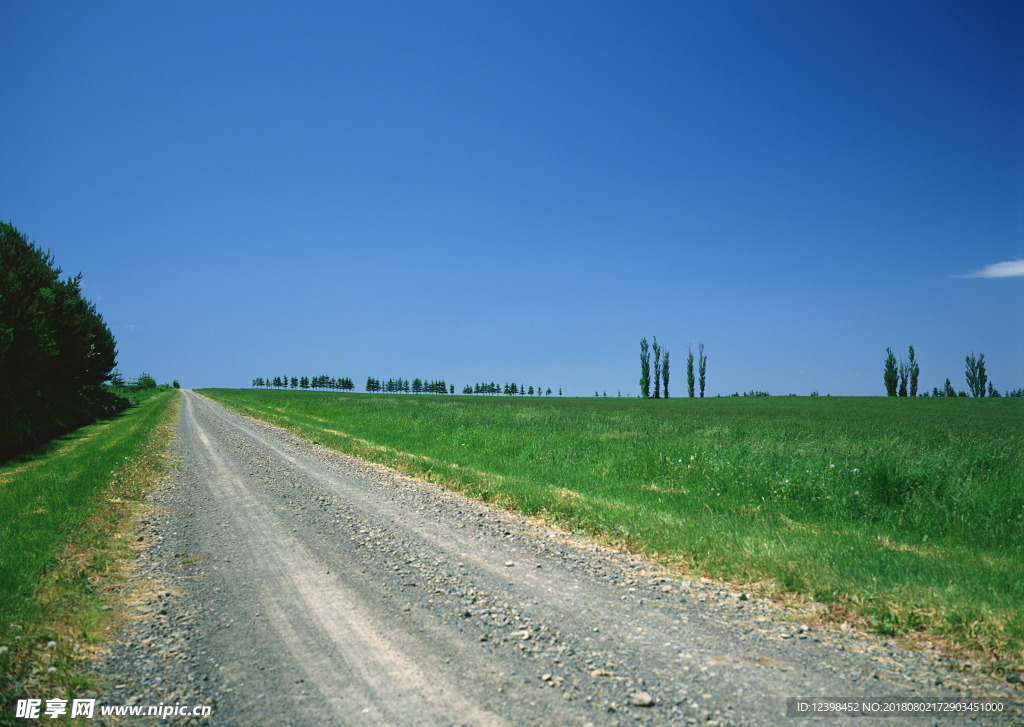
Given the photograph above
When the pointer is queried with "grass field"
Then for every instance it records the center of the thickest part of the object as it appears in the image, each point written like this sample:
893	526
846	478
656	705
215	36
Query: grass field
65	511
906	515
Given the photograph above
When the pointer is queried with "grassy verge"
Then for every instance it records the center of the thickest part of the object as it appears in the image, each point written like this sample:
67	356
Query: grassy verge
66	512
904	516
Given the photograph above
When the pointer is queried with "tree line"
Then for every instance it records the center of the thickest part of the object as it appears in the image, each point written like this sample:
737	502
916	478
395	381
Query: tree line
141	383
662	370
402	386
507	390
55	349
393	385
895	375
317	383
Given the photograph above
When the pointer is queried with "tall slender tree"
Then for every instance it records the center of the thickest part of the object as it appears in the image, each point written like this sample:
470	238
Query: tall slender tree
915	371
645	369
972	374
890	375
689	370
702	367
976	378
664	374
657	368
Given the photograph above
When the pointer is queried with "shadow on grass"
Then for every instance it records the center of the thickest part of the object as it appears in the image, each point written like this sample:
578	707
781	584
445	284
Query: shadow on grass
52	437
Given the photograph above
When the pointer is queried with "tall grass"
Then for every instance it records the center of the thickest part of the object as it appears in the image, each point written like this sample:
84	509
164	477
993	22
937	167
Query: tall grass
908	514
66	511
46	496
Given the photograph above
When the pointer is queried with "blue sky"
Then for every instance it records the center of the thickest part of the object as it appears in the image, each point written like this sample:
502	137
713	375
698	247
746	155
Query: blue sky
484	191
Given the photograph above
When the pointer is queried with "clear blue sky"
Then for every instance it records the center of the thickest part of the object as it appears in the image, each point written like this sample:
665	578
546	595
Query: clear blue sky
520	191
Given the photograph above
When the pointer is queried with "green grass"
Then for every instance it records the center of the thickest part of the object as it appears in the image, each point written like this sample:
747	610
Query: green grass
905	515
64	511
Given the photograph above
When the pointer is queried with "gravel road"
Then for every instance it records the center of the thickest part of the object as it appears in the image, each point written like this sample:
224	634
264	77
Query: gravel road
284	583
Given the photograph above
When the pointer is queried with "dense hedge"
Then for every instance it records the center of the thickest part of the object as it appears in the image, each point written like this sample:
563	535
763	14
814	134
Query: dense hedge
55	349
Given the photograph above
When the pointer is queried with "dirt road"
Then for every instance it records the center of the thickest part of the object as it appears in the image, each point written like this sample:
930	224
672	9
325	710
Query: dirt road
289	584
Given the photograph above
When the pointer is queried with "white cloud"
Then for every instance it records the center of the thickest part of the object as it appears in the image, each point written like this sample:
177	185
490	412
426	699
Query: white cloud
1009	269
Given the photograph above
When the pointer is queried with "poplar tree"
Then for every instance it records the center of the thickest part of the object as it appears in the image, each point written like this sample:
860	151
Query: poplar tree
702	364
914	373
904	373
657	368
664	374
645	369
976	378
890	375
689	370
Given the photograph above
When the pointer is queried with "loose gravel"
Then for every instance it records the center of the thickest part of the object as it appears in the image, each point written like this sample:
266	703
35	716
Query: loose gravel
285	583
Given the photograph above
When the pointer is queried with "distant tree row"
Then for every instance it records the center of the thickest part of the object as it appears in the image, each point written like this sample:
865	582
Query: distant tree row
508	389
895	376
402	386
992	392
317	383
141	383
661	370
392	386
55	349
484	388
